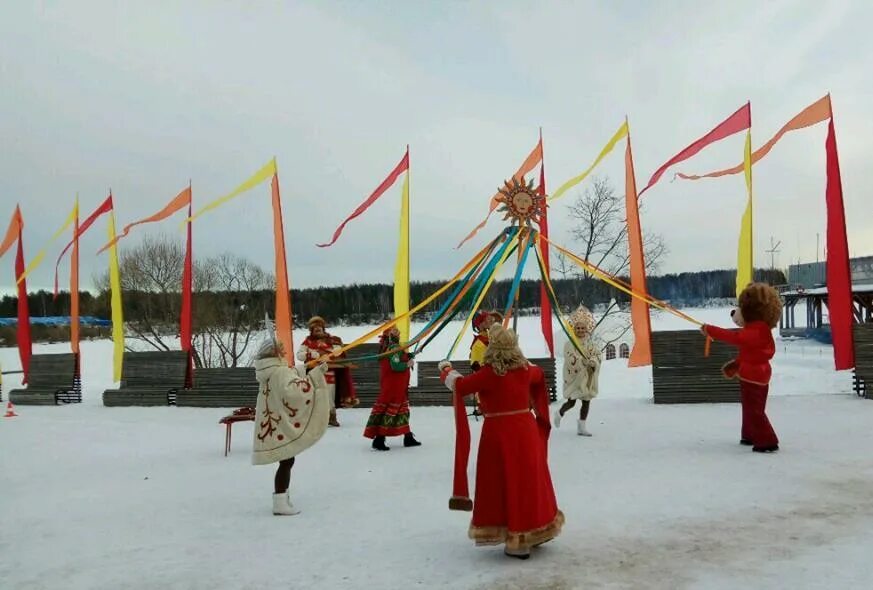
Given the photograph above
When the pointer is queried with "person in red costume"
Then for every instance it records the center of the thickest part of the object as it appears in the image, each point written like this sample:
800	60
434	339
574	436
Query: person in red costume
757	314
515	501
390	413
318	345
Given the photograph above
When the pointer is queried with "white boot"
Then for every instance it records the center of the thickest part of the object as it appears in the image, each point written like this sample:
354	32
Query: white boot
557	418
282	505
580	428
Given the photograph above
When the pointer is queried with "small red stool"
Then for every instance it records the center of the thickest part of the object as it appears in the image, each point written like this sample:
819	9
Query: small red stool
240	415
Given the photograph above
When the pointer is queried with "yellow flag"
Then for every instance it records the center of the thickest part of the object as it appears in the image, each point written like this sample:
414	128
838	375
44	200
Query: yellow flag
745	255
41	254
401	269
260	176
619	135
117	315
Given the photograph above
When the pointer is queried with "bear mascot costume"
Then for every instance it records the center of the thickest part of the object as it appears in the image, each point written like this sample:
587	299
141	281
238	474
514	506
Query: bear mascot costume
758	312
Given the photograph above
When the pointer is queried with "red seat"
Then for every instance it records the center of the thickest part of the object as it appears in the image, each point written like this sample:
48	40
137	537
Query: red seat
240	415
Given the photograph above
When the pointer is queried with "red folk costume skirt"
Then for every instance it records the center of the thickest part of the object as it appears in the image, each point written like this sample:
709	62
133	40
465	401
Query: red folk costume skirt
514	498
390	413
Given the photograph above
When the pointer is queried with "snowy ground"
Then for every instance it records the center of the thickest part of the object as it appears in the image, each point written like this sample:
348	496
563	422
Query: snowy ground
660	497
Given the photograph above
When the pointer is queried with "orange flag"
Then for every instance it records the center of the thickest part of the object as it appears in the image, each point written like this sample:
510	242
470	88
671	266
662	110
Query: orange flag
641	355
181	201
817	112
283	290
12	232
531	162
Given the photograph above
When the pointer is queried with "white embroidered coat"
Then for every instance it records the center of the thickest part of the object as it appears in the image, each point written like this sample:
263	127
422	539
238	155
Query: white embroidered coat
292	411
581	371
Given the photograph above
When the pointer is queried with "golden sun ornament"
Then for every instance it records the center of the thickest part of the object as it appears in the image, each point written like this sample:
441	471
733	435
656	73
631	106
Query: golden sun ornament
521	202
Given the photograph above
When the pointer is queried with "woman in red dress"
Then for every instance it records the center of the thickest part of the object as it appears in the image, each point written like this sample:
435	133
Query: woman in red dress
390	413
514	500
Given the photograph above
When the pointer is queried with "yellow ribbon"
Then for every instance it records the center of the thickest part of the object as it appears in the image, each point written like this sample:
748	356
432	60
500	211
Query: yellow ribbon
38	258
260	176
619	135
610	280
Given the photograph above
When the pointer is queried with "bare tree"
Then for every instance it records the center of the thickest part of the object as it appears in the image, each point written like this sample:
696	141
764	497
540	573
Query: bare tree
600	228
230	307
231	295
151	276
562	266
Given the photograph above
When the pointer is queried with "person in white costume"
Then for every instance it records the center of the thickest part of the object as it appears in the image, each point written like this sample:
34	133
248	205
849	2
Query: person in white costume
291	415
581	369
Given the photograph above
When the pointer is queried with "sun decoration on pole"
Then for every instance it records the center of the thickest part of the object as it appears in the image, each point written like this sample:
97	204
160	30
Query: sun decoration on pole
521	202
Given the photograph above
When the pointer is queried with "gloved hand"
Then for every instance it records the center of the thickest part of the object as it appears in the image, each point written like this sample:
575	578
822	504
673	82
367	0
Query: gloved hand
444	365
730	369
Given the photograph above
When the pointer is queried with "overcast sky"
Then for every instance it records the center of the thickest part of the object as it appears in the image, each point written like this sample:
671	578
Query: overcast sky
141	97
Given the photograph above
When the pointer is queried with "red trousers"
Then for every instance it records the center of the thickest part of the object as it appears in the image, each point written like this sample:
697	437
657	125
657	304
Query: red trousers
756	427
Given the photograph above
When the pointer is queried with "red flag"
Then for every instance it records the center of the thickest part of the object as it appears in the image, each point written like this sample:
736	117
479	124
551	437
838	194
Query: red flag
739	121
839	276
545	304
25	347
104	208
74	289
815	113
401	167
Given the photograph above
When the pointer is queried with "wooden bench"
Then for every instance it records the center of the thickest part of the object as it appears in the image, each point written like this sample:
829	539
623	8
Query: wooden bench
151	378
681	374
863	373
234	387
430	391
52	381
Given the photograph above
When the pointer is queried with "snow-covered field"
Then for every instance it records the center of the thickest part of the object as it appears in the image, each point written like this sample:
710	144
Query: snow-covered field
660	497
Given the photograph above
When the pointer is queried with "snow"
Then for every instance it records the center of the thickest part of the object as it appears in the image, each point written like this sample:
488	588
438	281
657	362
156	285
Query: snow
856	288
660	497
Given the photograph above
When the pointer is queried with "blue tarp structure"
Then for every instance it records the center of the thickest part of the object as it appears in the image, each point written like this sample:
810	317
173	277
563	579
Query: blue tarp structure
57	321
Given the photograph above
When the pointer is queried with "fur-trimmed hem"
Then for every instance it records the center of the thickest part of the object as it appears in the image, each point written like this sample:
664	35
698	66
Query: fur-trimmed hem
460	503
517	541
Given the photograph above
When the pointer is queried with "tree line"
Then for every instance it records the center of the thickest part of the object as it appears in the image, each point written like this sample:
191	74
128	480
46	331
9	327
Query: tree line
367	303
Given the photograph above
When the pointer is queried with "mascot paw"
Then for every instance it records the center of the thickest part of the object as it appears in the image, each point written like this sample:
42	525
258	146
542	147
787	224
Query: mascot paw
731	369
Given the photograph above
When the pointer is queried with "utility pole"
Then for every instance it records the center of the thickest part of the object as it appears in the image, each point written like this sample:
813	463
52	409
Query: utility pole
773	251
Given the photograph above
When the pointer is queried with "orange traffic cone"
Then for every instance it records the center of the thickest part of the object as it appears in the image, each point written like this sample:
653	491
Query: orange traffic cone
10	411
